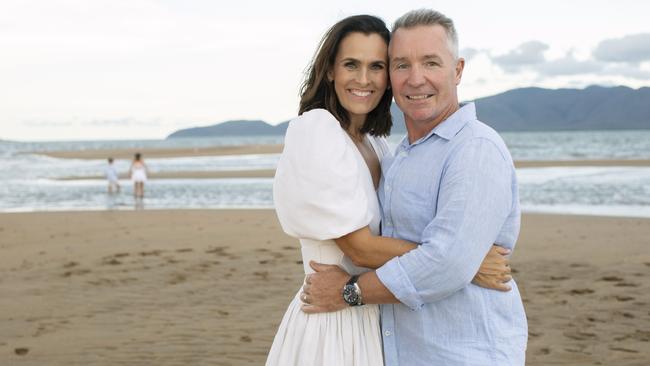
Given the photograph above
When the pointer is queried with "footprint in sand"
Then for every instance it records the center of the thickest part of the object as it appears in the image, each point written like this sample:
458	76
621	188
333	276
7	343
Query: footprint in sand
177	278
246	339
581	291
217	250
263	275
184	250
70	264
580	336
559	278
621	349
611	279
223	313
111	261
623	298
76	272
21	351
150	253
626	284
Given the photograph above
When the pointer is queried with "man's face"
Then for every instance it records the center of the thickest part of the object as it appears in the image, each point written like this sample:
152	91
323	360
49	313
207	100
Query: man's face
424	73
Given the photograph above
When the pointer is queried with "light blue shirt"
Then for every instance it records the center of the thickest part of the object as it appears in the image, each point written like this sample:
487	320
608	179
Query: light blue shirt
453	191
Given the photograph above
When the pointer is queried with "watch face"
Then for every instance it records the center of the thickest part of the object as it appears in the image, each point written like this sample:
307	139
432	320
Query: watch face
350	295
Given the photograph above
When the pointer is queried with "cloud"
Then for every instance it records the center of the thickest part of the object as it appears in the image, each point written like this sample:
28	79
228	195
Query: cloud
630	49
619	57
529	53
568	65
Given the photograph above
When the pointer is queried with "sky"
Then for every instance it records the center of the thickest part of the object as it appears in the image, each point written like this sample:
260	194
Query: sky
142	69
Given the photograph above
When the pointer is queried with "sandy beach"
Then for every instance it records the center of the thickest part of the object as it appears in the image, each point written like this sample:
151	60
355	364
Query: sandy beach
209	287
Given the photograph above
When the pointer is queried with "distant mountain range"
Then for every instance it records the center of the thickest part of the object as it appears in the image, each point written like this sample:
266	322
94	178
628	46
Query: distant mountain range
525	109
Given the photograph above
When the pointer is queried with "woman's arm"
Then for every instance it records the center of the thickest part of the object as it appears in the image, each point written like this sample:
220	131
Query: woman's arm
370	251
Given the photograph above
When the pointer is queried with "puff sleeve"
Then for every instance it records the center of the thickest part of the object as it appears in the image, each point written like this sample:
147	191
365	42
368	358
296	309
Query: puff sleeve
318	190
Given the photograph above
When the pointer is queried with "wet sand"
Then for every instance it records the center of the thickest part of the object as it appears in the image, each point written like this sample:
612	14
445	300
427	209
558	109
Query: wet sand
276	149
209	287
262	173
164	153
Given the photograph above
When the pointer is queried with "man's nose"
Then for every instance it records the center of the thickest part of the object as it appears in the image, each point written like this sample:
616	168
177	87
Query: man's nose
416	76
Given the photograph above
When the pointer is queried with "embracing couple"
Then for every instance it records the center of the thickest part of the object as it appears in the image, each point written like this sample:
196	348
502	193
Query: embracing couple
404	251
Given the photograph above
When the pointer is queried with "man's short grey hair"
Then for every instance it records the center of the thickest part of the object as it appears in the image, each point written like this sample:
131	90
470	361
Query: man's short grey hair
426	17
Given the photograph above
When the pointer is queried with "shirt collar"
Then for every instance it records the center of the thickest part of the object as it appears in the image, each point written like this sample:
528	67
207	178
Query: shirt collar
449	127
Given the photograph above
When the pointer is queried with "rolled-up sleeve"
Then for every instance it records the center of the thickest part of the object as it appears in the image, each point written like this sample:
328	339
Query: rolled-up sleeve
474	200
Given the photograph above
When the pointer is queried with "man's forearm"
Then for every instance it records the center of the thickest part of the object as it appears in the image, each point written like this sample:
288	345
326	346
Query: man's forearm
373	291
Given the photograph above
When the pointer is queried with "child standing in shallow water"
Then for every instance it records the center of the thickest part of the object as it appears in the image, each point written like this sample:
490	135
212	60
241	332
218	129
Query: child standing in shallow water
138	175
112	178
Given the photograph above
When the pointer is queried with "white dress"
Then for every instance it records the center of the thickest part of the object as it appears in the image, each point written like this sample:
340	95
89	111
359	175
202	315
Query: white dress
138	174
323	190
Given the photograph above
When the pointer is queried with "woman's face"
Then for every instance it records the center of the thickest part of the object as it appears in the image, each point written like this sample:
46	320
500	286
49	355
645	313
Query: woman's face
360	74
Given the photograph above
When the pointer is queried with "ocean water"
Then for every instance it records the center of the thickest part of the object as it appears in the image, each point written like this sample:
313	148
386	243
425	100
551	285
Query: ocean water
31	182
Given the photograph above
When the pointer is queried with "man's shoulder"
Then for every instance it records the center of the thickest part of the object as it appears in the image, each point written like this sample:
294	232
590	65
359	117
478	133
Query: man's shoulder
476	129
476	132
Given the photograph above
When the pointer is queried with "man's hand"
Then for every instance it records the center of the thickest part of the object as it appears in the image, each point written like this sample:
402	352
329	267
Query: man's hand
495	270
322	291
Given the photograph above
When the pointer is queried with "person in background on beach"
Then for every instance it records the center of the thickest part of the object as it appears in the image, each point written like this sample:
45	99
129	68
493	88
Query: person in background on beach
138	172
112	178
451	186
325	188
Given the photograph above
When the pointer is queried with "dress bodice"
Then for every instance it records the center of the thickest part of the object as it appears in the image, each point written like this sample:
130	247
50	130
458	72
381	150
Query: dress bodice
323	188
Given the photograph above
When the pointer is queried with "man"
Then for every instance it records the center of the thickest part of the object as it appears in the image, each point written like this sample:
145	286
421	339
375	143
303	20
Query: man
451	186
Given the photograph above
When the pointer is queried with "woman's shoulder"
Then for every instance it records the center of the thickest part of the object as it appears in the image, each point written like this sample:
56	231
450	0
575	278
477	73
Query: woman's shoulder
316	119
314	126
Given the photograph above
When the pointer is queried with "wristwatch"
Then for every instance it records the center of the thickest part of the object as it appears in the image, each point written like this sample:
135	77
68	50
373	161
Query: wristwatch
352	292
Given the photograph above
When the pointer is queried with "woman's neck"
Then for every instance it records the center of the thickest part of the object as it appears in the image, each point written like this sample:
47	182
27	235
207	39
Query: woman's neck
354	129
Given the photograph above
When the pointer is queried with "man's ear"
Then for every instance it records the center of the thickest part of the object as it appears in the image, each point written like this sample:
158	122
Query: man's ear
460	66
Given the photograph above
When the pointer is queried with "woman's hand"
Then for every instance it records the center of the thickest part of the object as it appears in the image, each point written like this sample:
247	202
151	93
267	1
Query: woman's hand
495	270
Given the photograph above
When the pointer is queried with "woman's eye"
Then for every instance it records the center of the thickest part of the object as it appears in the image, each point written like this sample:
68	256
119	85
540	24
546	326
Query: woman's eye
350	65
377	66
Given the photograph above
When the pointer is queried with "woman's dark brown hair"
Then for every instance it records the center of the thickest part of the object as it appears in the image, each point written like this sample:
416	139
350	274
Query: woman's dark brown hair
317	92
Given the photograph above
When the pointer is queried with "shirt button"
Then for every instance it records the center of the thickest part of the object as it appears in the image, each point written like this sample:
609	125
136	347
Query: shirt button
388	188
387	333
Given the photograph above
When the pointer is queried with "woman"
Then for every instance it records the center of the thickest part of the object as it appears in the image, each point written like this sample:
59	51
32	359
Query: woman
138	173
325	188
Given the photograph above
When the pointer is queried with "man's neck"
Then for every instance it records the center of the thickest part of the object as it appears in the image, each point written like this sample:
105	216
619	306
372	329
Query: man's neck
418	129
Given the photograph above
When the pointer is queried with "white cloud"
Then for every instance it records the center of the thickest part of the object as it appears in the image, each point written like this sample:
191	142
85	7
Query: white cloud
633	48
528	53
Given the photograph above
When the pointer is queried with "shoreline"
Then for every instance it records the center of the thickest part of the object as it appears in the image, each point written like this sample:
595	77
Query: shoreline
277	149
162	153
